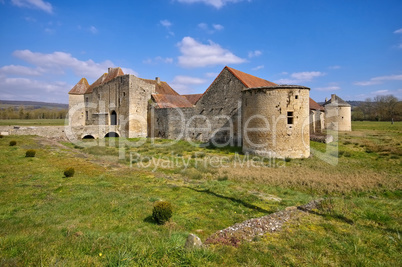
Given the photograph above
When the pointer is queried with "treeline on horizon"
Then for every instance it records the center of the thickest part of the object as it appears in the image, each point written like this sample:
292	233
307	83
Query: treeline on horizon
26	113
380	108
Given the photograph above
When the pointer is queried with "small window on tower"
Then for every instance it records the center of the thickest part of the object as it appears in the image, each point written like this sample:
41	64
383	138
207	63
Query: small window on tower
86	115
290	117
124	93
296	97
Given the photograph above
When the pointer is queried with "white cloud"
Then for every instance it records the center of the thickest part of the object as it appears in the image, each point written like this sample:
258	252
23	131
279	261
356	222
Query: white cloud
380	92
218	27
214	27
211	74
93	29
328	88
195	54
255	53
258	67
21	70
300	77
36	4
30	89
158	60
15	82
380	80
398	31
59	62
166	23
215	3
183	84
188	80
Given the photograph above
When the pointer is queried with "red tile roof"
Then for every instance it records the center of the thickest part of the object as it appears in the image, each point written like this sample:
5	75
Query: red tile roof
193	98
249	80
105	78
161	87
171	101
314	105
80	87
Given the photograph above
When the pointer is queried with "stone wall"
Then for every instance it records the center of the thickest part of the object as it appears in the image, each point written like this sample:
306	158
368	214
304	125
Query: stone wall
216	117
45	131
76	110
276	121
338	118
139	98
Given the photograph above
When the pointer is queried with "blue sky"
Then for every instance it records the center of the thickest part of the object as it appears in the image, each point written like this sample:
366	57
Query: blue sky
349	47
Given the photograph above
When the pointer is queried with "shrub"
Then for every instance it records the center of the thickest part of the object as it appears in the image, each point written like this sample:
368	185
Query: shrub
13	143
69	172
1	136
30	153
162	212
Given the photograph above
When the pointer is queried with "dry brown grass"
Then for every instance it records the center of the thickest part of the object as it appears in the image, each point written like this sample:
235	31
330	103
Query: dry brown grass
318	180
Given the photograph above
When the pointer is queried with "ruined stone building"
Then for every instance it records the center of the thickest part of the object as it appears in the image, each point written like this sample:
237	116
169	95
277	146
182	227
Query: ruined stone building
236	109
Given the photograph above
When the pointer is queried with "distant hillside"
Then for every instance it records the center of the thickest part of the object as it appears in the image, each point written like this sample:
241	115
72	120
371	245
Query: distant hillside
350	102
31	104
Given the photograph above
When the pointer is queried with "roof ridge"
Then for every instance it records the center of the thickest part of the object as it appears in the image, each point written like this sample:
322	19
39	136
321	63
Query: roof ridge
249	80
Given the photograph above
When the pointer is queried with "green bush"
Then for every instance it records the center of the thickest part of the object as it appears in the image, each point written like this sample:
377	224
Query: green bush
1	136
69	172
30	153
162	212
13	143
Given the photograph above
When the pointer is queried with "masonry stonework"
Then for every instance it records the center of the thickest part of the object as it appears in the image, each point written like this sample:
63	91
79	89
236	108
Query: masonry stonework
276	121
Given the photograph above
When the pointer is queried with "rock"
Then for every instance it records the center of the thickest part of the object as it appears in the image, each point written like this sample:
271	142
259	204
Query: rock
291	208
192	242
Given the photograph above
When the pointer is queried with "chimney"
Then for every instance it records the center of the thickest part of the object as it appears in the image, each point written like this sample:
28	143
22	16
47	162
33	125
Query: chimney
333	97
109	70
158	80
326	99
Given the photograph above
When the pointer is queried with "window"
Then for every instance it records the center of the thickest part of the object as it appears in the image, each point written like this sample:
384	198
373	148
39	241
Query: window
86	100
296	97
113	118
124	93
86	115
290	117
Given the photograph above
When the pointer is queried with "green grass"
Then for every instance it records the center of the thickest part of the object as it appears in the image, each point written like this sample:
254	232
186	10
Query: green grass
103	214
33	122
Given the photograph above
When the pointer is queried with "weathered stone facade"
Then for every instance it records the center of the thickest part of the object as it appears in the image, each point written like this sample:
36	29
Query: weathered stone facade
338	114
237	109
276	121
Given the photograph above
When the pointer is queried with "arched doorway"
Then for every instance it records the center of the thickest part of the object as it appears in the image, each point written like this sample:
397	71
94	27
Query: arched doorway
88	137
113	118
112	134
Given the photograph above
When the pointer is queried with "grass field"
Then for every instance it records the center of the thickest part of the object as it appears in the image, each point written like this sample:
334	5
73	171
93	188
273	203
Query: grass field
32	122
102	215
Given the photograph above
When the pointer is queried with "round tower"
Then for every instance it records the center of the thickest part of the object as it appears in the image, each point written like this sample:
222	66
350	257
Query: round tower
338	114
275	121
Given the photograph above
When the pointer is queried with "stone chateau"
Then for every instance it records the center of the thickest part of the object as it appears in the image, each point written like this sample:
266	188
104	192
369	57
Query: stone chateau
236	109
